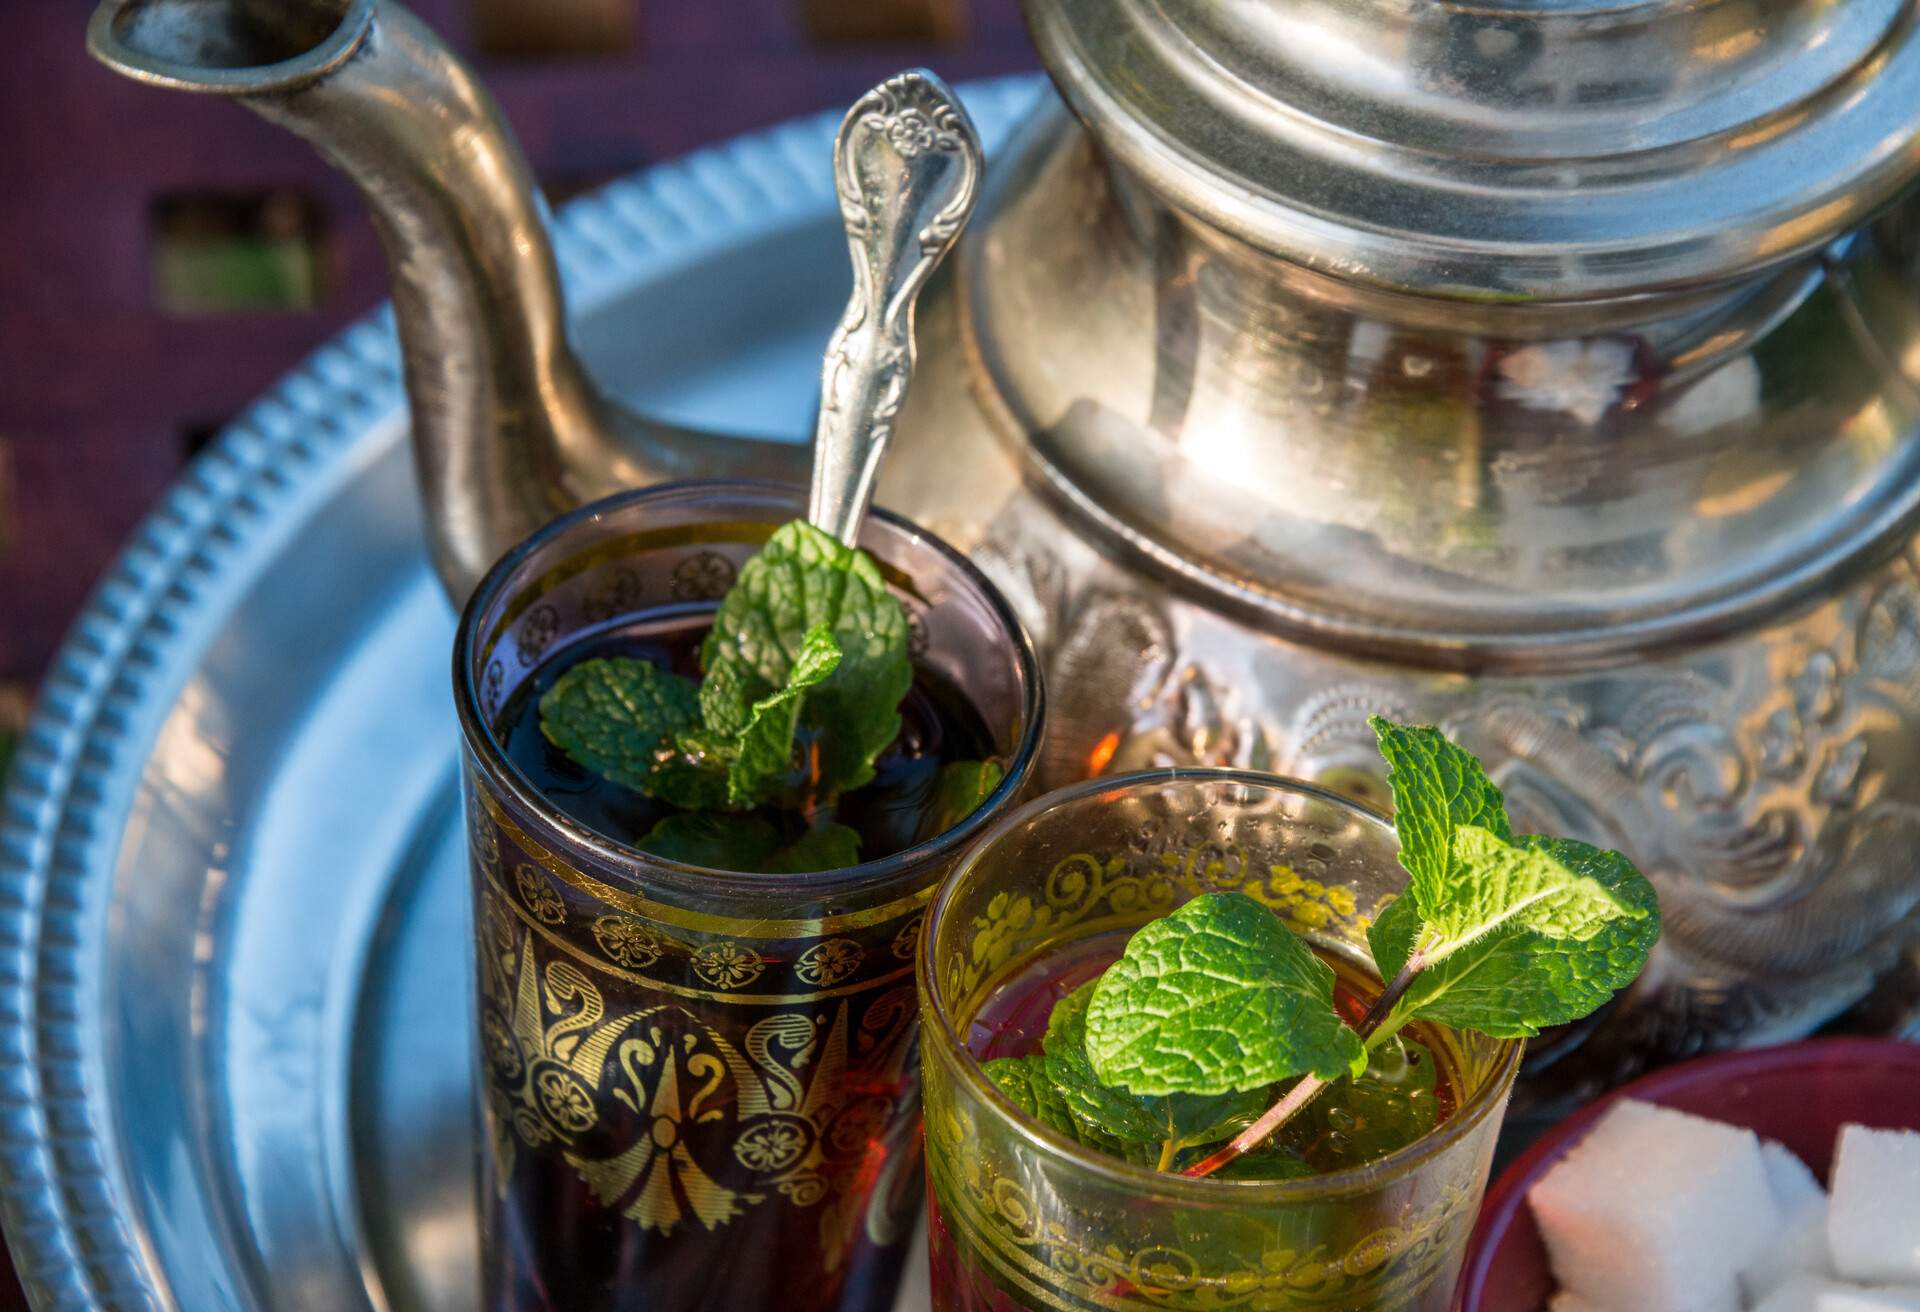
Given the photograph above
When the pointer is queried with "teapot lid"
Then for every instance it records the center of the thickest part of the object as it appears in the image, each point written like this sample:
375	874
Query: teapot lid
1523	149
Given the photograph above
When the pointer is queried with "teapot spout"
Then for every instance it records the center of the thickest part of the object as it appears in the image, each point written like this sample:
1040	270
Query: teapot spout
508	429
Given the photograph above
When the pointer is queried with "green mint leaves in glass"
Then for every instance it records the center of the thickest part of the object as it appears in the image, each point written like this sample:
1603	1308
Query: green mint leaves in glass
802	676
1220	1002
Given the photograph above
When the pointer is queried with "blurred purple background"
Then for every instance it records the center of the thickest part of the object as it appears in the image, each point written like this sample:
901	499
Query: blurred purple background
164	257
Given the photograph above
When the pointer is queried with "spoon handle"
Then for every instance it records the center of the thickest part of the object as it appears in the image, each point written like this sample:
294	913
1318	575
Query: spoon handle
906	165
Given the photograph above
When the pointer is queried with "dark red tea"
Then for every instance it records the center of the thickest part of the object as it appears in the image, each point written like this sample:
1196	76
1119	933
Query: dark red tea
937	726
780	1136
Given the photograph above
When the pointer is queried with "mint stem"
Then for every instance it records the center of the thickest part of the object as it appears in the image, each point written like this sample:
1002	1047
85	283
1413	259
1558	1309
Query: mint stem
1309	1086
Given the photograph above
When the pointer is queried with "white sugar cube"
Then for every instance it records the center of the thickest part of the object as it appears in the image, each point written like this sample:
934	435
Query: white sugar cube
1798	1294
1657	1210
1859	1298
1800	1250
1873	1222
1813	1294
1792	1182
1801	1247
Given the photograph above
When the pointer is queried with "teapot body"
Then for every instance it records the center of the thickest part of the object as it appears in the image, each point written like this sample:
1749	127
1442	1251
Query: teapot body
1652	561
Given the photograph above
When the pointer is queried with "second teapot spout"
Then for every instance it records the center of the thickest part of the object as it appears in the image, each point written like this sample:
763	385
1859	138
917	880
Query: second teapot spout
508	429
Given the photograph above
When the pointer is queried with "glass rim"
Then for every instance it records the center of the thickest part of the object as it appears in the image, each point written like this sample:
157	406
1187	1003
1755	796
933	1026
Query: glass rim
1472	1112
706	880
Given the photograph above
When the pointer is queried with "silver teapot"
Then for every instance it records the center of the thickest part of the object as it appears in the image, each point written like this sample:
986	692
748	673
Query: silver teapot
1550	371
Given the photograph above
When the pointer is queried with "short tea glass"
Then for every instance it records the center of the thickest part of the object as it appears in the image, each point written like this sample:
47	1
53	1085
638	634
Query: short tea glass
699	1089
1024	1218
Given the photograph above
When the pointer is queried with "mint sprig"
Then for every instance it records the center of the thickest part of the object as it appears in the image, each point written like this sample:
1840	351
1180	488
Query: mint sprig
801	580
1499	933
1514	982
804	670
651	729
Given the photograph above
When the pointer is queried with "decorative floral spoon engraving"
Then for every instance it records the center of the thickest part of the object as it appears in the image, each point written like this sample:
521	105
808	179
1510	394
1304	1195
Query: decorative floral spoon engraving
906	165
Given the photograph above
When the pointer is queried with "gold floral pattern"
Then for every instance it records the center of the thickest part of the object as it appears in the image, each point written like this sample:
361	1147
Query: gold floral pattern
665	1119
907	941
688	1065
485	836
1130	889
539	895
1076	887
627	942
728	965
564	1099
771	1147
703	576
496	1041
826	964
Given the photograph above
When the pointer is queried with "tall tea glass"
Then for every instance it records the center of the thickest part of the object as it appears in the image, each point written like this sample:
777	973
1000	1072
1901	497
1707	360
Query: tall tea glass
699	1089
1025	1218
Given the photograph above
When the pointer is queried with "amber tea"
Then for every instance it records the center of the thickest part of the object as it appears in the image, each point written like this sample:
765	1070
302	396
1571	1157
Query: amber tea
1206	1038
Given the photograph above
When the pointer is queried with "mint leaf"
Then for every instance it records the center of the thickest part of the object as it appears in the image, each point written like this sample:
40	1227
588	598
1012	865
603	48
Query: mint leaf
616	716
1391	936
1218	997
800	579
1437	787
749	843
1108	1113
1118	1119
1025	1082
762	753
824	847
693	774
961	788
1514	982
1492	883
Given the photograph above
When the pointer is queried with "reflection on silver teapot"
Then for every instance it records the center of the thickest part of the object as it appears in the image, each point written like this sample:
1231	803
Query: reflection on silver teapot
1550	371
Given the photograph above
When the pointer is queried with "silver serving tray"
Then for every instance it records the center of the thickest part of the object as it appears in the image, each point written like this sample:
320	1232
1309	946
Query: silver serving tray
231	870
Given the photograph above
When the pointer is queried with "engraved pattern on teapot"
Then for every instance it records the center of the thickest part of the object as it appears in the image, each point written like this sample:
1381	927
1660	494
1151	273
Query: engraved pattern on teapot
1758	782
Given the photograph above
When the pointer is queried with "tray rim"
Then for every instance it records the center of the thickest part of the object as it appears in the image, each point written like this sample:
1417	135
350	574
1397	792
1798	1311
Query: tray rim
118	668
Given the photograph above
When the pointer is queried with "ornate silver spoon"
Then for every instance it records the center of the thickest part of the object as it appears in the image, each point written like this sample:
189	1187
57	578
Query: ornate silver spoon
906	165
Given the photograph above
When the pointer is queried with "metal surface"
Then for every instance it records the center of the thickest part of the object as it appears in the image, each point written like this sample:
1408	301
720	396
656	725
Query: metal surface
1550	371
237	1005
906	167
508	427
1512	487
1569	149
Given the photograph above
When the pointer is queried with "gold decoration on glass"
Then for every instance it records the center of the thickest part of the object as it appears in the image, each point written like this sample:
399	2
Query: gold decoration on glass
664	1118
907	941
539	895
728	965
627	942
1031	1245
827	963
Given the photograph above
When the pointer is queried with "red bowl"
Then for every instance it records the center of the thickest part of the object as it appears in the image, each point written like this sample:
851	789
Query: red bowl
1800	1094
